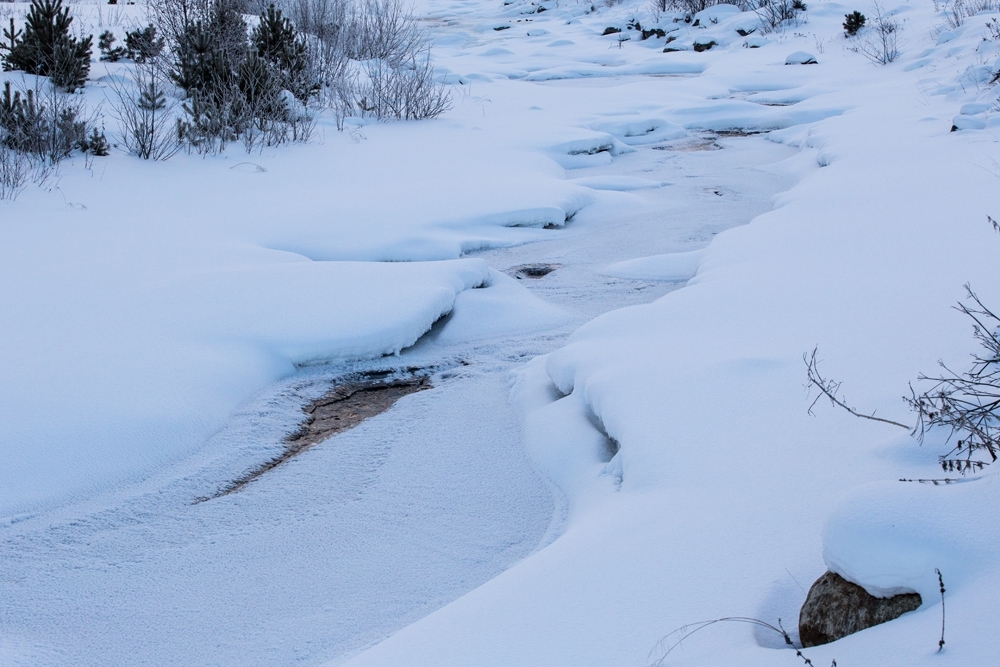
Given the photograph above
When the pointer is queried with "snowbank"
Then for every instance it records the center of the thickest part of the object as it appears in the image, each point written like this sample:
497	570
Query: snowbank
715	504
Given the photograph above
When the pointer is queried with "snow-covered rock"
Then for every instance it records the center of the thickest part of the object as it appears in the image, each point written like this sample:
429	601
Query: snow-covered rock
963	122
800	58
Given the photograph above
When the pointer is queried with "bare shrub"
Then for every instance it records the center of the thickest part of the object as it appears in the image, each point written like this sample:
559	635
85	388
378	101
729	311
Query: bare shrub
695	6
400	83
406	91
880	42
968	403
16	169
326	20
175	17
775	13
146	114
385	30
993	27
372	59
656	9
40	127
328	28
43	122
960	10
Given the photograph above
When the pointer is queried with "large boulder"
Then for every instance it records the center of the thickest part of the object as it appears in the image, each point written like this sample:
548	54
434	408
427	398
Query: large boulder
836	608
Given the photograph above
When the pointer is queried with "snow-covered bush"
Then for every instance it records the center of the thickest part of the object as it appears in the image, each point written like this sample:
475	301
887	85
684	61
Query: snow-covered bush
45	46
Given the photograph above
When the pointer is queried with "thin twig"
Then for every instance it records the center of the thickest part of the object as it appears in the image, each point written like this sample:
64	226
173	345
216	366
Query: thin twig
935	482
829	388
685	631
941	584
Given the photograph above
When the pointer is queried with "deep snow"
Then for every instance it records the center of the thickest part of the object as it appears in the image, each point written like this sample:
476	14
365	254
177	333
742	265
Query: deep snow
667	472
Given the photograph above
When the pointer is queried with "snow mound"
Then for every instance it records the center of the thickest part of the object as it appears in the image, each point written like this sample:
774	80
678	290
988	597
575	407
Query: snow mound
501	307
890	537
800	58
674	267
640	131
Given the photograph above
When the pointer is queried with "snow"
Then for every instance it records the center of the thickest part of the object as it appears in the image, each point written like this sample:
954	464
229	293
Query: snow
801	58
673	267
610	452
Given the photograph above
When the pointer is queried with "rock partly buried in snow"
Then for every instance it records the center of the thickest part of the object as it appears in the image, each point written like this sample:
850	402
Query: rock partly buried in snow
836	608
968	123
800	58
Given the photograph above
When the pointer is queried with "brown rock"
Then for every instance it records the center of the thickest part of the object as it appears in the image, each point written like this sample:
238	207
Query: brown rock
836	608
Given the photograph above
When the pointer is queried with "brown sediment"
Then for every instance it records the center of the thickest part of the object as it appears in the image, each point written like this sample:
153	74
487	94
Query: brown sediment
340	409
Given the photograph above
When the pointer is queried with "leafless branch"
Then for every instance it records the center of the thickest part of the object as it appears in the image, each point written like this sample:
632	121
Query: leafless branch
830	389
968	403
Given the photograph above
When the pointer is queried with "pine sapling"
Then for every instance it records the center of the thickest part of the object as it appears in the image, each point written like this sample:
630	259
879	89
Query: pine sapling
11	36
109	52
853	22
143	45
46	47
96	144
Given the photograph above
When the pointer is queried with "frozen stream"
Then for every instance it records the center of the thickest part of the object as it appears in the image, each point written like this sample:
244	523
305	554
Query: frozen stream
375	527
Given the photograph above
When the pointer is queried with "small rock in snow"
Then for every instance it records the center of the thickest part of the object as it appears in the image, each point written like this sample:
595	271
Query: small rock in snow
836	608
801	58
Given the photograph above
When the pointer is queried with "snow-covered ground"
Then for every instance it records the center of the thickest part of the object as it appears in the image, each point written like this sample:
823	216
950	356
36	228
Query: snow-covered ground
609	452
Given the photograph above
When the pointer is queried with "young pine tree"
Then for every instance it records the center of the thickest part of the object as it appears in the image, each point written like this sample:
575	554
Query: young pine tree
853	22
280	45
46	48
109	52
143	45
